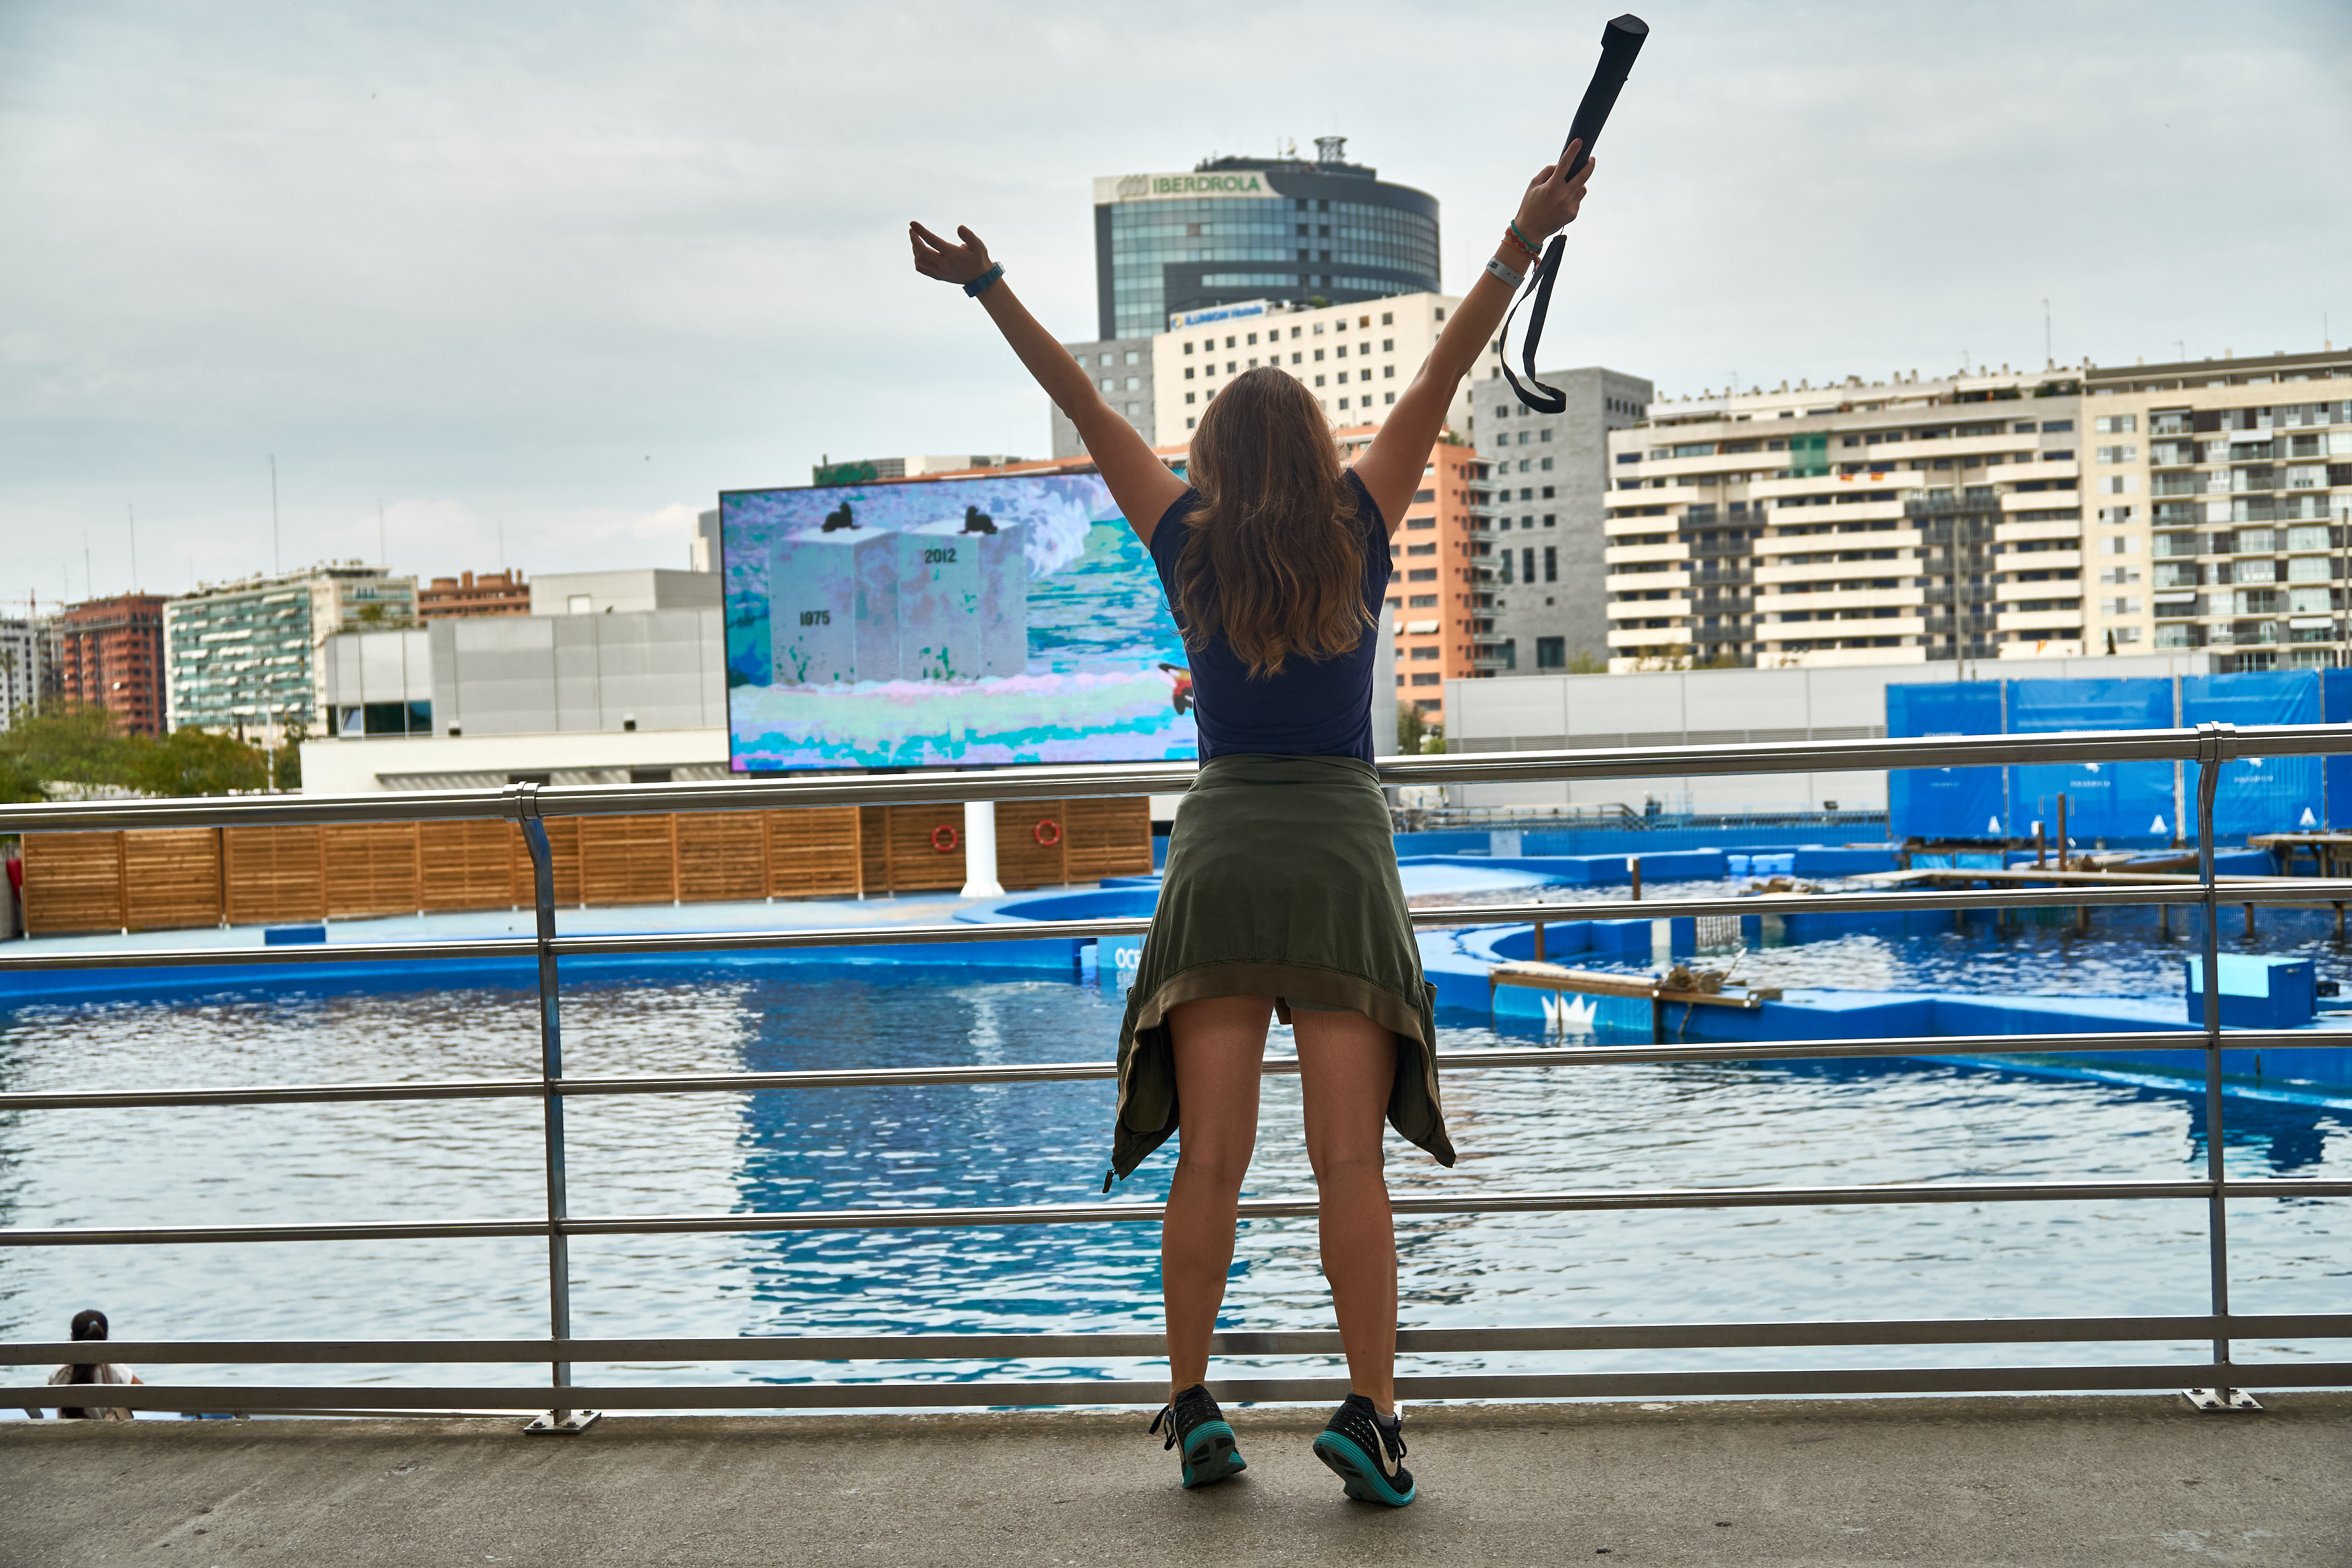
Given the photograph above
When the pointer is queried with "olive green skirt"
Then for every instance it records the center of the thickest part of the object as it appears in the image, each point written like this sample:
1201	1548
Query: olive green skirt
1281	882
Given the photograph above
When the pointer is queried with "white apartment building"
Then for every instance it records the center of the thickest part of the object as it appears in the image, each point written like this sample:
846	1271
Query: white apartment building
2220	512
1891	522
29	666
243	657
1354	358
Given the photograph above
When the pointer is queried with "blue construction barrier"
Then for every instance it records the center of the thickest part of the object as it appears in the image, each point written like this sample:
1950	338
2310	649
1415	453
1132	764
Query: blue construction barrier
1946	802
2256	794
2119	803
2127	804
2335	772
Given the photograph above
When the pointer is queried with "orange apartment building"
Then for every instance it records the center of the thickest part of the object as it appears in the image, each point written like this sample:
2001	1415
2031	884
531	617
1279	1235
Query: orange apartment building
1443	589
110	655
468	595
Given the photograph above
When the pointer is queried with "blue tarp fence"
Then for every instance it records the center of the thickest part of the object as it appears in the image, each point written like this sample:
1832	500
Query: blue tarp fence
2121	802
2257	794
1946	802
2124	805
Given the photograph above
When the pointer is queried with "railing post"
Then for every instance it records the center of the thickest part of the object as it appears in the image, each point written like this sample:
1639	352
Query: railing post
2216	745
550	1072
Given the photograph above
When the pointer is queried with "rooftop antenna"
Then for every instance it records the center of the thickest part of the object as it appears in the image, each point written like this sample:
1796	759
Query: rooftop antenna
2048	352
382	556
2181	345
275	565
88	592
131	512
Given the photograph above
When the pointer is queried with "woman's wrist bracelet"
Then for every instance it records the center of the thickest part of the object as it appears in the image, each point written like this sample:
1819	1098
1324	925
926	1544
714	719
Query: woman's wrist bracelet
1503	275
980	285
1518	245
1524	243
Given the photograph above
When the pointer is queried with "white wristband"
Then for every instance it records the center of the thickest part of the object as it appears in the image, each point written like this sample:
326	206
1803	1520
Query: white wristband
1510	280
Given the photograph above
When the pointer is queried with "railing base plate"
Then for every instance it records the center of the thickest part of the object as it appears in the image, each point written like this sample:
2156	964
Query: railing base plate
564	1422
2219	1399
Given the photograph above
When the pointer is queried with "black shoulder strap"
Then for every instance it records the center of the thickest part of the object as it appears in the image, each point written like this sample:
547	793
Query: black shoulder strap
1533	392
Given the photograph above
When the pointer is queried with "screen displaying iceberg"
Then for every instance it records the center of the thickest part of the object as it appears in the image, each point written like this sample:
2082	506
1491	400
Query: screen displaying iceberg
946	623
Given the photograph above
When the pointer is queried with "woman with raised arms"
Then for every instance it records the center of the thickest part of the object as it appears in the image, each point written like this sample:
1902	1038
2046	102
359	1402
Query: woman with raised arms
1281	897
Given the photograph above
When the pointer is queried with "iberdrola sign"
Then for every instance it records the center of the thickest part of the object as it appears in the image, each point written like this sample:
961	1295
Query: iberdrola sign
1173	187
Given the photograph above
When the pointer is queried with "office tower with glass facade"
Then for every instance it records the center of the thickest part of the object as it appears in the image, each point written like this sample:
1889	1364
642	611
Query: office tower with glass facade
1285	229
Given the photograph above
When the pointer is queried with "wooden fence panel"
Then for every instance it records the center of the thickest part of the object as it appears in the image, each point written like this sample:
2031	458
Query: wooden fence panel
1108	838
73	882
722	856
873	847
917	863
171	878
1032	843
629	860
272	874
371	869
466	864
815	852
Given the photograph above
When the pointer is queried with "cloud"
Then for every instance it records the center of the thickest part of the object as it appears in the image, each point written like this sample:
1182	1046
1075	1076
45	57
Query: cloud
559	267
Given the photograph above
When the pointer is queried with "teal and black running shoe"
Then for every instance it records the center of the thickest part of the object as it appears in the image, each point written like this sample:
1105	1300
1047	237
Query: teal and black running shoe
1366	1453
1196	1424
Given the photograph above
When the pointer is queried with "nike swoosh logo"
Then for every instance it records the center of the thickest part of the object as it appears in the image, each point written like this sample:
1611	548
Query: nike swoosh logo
1381	1441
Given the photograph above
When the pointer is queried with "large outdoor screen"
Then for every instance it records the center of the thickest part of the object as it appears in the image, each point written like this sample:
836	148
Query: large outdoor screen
946	623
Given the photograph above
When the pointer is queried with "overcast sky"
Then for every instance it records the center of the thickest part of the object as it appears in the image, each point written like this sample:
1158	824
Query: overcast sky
568	271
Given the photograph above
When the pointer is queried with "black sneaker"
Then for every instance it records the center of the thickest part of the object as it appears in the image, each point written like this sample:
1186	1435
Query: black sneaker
1194	1421
1366	1453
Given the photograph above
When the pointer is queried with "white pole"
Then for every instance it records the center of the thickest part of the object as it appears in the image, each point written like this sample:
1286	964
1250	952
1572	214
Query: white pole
979	851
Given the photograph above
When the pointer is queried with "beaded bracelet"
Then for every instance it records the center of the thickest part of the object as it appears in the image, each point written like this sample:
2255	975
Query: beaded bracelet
979	286
1522	241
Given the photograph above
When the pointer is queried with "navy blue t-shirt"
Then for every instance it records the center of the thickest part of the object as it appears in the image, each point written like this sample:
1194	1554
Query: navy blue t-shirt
1313	708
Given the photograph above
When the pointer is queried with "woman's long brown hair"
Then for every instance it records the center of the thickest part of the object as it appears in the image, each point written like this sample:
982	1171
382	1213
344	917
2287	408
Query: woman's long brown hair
1274	561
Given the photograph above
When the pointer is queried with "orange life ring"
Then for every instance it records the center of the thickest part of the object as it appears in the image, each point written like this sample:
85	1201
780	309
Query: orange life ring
1047	832
944	838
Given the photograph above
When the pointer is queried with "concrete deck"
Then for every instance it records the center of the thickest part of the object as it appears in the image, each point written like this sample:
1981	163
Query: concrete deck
2099	1480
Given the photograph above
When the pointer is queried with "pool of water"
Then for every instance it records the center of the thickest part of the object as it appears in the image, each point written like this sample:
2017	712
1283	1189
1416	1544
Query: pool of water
1518	1129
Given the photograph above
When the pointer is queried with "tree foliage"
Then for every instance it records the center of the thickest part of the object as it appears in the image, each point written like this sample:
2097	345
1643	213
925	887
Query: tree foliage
81	746
196	762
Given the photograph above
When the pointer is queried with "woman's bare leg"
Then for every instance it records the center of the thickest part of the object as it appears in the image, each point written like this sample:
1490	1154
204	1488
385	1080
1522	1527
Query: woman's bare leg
1220	1043
1346	1064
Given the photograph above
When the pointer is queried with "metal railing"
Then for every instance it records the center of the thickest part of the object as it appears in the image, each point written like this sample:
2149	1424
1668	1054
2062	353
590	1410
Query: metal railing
570	1404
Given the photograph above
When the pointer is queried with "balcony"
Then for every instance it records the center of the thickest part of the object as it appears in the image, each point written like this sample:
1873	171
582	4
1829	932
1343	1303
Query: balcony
470	1487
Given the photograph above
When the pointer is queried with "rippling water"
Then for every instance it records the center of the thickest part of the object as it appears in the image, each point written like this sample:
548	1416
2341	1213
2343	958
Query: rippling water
1519	1129
2038	953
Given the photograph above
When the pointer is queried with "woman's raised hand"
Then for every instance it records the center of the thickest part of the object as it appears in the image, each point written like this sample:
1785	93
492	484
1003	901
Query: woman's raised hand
1551	201
949	263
